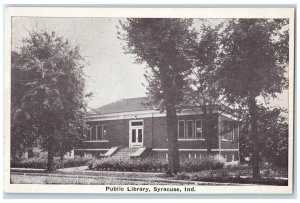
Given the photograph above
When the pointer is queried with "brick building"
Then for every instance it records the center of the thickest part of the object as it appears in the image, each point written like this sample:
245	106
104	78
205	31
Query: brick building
129	128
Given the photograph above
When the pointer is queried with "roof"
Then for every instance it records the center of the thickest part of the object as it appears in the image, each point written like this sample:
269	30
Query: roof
133	105
124	105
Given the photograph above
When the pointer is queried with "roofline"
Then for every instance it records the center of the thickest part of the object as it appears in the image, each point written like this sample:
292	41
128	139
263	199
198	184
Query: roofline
116	101
139	114
117	113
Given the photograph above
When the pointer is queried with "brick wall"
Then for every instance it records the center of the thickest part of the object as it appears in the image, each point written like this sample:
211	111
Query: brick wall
155	134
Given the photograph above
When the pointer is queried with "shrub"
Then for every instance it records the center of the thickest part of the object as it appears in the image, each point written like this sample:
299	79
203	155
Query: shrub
71	162
41	163
156	163
182	176
37	163
223	176
203	163
116	164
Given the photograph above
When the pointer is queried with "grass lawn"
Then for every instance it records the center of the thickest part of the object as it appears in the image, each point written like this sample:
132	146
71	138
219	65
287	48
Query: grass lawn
237	174
75	180
229	174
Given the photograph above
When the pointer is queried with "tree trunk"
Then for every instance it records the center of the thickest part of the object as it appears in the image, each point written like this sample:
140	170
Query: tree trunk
173	154
61	151
168	92
61	156
254	136
207	133
208	126
50	165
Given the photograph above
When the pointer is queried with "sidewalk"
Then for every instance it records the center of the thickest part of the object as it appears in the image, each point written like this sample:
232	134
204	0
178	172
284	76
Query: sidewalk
82	172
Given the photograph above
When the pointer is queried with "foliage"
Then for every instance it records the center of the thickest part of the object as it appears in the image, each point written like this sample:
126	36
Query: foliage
49	107
155	163
41	163
203	82
255	59
209	162
203	93
273	137
237	174
22	129
160	44
117	164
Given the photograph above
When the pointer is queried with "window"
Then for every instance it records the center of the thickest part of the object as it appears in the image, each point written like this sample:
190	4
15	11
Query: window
232	134
198	129
137	123
88	133
104	132
140	135
189	129
96	132
99	132
133	137
181	131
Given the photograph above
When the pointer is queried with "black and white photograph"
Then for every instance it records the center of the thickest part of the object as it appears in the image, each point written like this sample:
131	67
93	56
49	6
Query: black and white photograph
149	101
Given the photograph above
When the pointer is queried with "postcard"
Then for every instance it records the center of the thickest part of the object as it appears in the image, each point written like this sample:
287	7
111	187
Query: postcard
149	100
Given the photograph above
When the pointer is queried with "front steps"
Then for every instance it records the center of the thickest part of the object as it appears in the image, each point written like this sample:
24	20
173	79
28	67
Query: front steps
125	152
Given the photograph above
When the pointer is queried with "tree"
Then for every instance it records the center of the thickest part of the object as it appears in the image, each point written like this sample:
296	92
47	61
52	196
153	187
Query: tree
203	87
274	137
254	63
161	44
22	129
51	101
273	140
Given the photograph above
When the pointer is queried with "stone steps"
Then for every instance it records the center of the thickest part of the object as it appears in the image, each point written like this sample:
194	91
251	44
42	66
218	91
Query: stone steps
124	153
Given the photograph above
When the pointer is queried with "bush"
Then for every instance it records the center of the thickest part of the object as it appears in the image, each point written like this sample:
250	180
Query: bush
41	163
71	162
37	163
182	176
117	164
203	163
223	176
156	163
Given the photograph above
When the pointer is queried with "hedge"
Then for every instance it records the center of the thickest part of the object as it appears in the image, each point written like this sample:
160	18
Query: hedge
159	164
117	164
41	163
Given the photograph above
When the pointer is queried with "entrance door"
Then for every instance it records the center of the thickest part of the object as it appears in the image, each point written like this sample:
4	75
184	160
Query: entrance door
136	133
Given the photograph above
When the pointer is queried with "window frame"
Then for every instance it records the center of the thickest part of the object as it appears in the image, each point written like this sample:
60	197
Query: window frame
194	129
187	130
200	138
90	131
97	137
179	129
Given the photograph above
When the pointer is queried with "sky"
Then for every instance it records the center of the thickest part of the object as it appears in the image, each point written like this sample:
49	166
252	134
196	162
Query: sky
111	74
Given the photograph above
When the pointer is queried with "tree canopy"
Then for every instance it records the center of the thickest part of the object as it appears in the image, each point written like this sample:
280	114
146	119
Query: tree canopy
255	59
203	93
161	44
48	91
